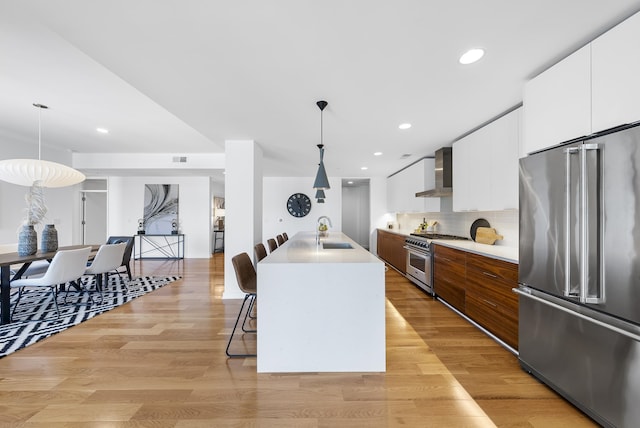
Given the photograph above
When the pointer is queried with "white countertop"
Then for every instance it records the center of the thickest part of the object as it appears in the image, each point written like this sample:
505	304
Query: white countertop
508	254
302	248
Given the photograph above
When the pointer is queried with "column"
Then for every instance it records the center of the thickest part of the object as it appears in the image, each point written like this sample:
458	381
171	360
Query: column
243	206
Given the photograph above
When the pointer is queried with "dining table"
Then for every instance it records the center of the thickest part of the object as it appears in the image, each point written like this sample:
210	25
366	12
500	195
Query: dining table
9	259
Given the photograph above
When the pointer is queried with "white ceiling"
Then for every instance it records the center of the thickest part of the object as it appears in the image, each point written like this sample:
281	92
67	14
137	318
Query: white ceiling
182	76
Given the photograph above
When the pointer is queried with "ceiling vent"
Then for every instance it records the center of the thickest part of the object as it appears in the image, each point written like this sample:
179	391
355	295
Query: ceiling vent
180	159
406	155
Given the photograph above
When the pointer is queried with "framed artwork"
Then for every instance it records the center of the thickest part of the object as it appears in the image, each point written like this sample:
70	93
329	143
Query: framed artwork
160	208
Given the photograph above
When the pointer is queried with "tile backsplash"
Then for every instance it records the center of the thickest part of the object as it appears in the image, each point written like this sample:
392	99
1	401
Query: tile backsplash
459	223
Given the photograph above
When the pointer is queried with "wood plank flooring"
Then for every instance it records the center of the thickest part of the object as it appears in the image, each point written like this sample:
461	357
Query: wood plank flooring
159	361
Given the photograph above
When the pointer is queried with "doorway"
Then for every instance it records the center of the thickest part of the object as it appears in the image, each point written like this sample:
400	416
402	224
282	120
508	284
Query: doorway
356	210
94	216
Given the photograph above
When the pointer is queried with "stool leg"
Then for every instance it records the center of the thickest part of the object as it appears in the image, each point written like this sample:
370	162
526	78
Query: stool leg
247	296
248	315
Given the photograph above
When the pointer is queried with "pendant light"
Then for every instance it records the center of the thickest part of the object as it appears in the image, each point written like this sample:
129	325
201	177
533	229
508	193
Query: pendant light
321	182
26	172
320	196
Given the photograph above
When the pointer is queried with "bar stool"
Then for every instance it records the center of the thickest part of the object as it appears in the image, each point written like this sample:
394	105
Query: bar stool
261	252
285	236
247	281
272	245
280	240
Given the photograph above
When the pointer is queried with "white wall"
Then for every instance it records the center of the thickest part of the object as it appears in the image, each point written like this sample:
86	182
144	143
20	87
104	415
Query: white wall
276	218
126	206
217	189
60	202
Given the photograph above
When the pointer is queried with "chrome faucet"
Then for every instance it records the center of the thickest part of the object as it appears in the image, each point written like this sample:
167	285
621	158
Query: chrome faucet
326	218
318	223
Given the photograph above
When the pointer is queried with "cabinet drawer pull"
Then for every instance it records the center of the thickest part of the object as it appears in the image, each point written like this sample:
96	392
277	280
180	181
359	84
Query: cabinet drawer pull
489	274
490	303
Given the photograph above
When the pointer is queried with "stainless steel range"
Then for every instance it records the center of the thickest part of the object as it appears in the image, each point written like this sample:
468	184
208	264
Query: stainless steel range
419	260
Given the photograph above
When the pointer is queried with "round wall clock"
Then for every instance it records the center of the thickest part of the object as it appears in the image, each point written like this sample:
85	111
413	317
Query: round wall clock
299	205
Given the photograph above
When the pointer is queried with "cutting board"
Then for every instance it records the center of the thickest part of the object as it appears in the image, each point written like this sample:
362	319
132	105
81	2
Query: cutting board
487	235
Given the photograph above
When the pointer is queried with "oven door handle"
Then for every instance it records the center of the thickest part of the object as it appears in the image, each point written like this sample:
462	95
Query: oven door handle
418	252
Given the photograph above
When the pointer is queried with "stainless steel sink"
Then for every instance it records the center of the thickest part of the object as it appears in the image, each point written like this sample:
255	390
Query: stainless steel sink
336	246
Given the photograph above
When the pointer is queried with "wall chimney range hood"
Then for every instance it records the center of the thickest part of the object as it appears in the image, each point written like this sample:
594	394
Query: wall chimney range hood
444	175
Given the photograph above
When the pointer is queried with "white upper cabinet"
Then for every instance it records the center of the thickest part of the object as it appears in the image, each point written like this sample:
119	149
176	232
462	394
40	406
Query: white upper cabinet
505	152
594	89
461	159
403	186
468	174
485	166
616	75
557	103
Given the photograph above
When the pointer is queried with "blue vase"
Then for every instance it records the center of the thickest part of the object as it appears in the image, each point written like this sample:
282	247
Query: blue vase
49	240
27	241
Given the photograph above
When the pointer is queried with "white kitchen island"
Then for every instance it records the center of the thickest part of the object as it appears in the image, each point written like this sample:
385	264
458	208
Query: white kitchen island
319	309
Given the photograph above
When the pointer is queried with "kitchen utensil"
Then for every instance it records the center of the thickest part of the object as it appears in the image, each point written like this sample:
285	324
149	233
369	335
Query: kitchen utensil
487	235
476	224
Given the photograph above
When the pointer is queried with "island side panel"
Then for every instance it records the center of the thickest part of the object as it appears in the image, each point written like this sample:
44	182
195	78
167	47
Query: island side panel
321	317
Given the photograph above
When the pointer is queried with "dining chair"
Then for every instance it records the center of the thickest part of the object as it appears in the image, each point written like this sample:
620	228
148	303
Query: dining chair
272	245
280	239
107	259
260	251
126	257
247	281
38	267
285	236
66	266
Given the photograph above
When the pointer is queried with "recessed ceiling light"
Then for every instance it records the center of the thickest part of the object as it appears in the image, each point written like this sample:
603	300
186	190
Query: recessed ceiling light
102	130
404	126
349	182
377	154
364	168
471	56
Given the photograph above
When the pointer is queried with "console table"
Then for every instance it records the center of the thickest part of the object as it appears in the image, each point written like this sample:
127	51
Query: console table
218	235
159	247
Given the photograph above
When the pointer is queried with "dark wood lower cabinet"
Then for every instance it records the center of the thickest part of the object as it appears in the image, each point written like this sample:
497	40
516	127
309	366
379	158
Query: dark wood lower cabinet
391	249
480	287
449	272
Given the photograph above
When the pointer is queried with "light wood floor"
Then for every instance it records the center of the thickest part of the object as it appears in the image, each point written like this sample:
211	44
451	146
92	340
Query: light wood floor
159	362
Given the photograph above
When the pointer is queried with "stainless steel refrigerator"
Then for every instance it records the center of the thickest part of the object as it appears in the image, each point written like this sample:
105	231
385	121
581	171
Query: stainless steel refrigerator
579	273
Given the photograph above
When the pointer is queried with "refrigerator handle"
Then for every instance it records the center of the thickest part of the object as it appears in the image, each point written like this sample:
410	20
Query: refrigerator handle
585	194
567	220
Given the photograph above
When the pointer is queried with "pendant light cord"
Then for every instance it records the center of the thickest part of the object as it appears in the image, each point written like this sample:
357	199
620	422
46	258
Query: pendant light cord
39	133
40	107
321	127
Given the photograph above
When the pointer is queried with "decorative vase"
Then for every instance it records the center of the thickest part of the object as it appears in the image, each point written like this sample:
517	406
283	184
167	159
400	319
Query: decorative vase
27	241
49	241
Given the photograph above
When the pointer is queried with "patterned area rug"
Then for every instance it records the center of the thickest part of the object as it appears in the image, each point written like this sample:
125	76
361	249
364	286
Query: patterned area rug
36	317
